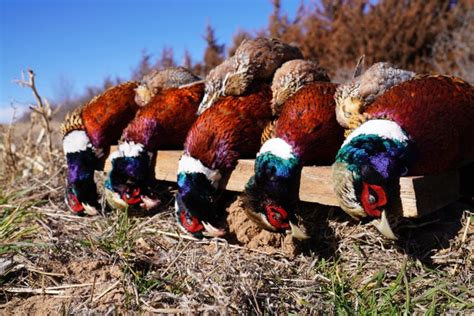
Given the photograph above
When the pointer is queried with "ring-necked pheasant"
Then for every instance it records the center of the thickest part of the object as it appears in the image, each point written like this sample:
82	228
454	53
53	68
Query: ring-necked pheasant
88	133
306	133
254	61
424	125
171	105
354	96
234	110
225	132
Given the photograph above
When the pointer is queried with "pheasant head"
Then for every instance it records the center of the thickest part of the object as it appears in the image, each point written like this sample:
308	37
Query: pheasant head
82	160
367	169
128	182
271	195
197	190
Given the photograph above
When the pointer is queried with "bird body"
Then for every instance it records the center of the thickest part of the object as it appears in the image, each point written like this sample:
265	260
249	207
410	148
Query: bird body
421	126
255	61
88	133
353	97
437	112
165	121
107	115
162	124
230	130
307	123
233	114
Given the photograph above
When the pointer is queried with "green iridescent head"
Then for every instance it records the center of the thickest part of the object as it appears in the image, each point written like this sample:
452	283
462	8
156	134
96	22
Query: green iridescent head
271	195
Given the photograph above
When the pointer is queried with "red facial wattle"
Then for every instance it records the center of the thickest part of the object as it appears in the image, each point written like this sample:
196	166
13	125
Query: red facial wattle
74	203
132	196
190	222
277	217
373	197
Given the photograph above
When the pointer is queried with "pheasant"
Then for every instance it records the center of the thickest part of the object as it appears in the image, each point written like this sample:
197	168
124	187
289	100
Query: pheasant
254	61
172	97
88	132
306	133
159	80
424	125
235	109
353	97
225	132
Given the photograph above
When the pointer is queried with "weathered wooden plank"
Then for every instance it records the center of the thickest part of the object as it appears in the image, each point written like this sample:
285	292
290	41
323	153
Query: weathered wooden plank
423	194
167	165
316	185
418	195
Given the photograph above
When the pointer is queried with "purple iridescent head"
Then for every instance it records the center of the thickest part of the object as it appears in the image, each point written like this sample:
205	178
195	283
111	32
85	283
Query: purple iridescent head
195	200
130	180
81	190
367	169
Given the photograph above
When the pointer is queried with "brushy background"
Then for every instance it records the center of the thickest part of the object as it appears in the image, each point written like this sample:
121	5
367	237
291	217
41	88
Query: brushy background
54	262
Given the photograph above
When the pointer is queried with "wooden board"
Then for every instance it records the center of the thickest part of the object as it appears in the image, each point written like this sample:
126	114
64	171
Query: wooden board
419	195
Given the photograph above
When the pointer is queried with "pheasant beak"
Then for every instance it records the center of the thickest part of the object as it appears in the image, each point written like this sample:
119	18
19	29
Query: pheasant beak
211	231
383	226
89	209
298	232
149	203
114	199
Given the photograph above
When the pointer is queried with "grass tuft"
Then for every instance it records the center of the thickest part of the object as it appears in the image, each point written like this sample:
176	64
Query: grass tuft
17	226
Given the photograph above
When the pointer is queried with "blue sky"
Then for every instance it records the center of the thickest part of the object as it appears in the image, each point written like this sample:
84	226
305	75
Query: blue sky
77	43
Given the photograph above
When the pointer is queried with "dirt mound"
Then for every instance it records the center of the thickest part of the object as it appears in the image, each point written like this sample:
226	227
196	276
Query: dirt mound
248	234
79	278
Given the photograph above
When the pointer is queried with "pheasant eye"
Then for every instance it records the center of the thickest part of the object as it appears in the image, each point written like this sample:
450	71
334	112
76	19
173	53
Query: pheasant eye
277	216
73	202
373	197
131	196
190	222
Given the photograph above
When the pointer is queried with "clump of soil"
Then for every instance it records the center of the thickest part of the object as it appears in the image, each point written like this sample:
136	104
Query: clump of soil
248	234
84	272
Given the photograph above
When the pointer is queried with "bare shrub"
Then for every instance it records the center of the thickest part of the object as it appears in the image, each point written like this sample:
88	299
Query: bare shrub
36	154
453	52
337	32
214	53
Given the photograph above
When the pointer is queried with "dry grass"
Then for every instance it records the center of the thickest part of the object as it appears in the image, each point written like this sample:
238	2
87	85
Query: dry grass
53	262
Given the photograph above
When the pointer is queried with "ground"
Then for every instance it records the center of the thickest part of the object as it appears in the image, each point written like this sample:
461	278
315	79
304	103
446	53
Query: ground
52	262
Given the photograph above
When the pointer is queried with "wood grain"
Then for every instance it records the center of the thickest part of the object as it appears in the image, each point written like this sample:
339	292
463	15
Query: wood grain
419	195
